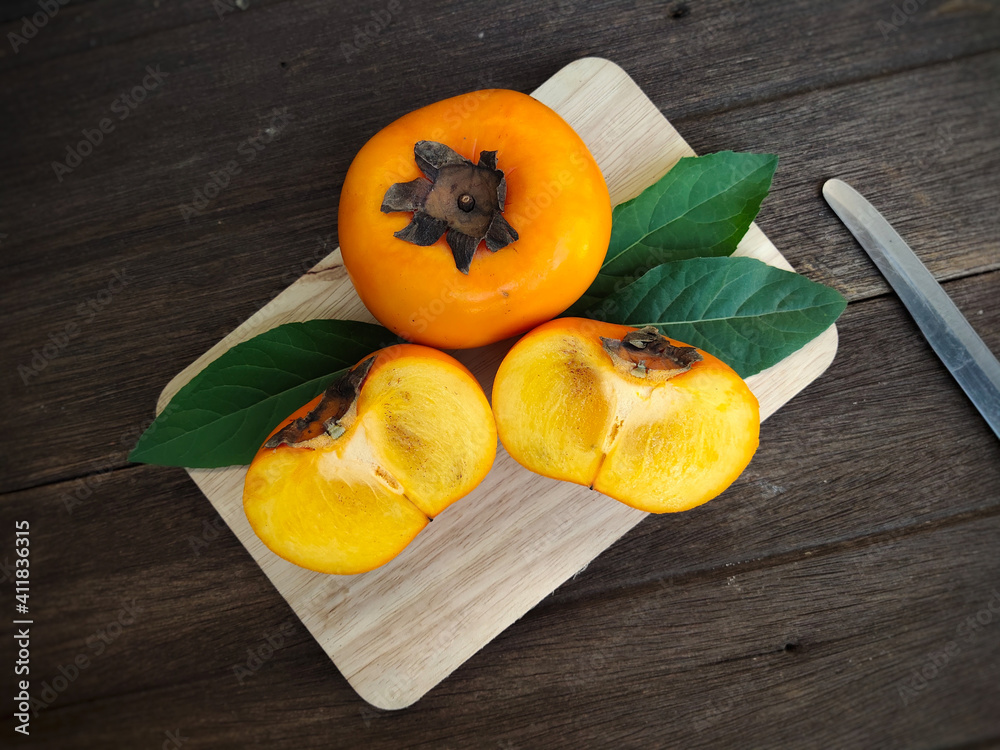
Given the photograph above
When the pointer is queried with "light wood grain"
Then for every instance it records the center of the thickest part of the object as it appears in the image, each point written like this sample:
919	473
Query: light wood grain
399	630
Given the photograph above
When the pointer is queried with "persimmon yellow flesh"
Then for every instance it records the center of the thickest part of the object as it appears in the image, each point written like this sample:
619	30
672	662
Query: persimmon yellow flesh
346	483
651	422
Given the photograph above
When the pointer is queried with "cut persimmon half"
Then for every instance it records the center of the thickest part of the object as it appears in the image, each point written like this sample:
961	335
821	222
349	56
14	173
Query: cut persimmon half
347	481
651	422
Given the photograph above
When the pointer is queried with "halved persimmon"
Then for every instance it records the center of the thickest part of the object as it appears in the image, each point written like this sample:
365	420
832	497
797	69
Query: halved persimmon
473	219
654	423
348	480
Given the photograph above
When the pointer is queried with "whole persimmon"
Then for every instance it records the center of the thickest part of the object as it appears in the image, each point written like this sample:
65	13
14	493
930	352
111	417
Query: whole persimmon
473	219
348	480
654	423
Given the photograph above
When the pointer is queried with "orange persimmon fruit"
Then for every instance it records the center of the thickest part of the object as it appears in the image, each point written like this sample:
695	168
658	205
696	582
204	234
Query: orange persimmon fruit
348	480
651	422
473	219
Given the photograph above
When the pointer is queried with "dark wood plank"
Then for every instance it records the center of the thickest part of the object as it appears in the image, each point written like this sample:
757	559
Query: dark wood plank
190	285
270	57
81	26
887	405
793	611
921	146
752	57
747	654
884	442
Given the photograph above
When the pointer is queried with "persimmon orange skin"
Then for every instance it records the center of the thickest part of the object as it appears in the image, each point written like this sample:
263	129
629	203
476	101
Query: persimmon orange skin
557	201
566	409
419	436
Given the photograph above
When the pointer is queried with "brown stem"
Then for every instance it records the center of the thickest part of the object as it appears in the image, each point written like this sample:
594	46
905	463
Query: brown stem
646	353
324	419
457	199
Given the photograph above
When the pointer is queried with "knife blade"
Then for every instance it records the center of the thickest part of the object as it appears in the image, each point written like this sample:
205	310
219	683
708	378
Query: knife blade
947	331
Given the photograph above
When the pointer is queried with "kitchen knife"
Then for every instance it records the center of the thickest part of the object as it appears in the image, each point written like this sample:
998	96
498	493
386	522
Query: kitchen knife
948	332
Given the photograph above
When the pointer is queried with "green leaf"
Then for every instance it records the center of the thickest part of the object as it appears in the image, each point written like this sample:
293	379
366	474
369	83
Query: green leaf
745	312
702	207
604	286
222	416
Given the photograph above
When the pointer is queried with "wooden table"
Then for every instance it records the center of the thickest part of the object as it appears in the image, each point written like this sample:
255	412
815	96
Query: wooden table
845	592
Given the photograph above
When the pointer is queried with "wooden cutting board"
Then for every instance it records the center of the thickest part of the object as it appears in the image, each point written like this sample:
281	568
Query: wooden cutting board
397	631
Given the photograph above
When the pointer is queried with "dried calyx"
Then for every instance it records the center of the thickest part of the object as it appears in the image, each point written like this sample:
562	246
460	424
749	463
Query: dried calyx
325	419
456	198
645	353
